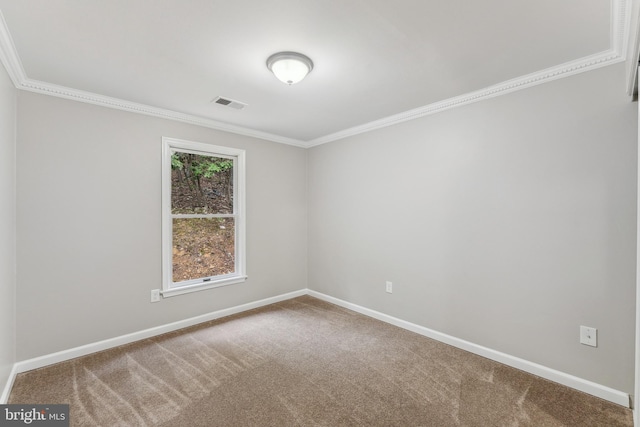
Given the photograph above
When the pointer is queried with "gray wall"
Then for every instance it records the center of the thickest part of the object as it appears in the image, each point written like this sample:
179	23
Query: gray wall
7	226
89	223
507	223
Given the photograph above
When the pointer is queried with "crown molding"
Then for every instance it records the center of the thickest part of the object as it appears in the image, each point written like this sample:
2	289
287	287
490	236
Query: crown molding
11	61
120	104
554	73
8	54
621	23
619	36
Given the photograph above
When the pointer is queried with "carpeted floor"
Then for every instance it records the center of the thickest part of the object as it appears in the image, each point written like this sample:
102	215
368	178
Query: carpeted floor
304	362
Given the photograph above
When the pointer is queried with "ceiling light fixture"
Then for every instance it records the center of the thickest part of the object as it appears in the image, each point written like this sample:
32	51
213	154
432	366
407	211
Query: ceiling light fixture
289	67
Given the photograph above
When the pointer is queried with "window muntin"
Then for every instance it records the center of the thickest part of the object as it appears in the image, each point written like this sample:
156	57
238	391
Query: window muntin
203	216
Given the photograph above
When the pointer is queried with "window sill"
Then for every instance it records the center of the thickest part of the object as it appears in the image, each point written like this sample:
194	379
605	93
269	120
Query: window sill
202	286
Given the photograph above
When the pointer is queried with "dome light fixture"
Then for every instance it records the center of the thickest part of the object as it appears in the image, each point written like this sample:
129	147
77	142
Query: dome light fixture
289	67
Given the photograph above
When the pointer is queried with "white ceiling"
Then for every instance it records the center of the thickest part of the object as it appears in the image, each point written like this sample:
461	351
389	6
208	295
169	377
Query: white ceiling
377	62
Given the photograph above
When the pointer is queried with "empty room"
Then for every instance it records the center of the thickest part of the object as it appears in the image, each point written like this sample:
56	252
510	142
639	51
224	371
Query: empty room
337	213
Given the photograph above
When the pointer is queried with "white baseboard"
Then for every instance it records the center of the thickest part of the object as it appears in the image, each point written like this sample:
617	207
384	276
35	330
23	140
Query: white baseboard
7	387
577	383
72	353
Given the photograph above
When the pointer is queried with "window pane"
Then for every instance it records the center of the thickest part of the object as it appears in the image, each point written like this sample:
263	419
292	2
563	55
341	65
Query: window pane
203	247
201	184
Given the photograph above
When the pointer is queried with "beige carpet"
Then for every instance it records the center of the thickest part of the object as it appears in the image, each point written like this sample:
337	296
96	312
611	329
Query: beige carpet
304	362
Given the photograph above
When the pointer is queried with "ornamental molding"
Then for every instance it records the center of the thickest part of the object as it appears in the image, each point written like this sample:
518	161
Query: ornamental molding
620	29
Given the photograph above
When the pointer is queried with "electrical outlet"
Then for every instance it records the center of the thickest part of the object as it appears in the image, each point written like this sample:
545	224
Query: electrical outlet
389	287
588	336
155	295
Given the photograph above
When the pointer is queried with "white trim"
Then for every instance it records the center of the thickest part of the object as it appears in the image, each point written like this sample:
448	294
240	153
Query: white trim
7	387
592	62
11	61
636	390
61	356
633	44
201	286
583	385
169	288
133	107
574	382
13	66
9	56
619	28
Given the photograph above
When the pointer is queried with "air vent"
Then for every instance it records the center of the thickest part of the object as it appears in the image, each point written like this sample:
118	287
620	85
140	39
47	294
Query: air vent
236	105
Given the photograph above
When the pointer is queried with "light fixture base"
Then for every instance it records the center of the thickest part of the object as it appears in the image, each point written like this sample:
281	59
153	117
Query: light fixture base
289	67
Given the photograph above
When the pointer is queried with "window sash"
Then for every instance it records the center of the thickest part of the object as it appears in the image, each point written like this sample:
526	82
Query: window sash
206	279
169	287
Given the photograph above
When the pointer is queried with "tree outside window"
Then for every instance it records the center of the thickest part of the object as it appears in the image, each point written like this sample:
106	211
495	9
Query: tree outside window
203	204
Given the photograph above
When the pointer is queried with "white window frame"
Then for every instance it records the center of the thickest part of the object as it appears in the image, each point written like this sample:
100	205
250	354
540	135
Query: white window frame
170	288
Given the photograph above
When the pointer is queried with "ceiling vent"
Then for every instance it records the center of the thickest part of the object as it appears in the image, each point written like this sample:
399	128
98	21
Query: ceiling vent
236	105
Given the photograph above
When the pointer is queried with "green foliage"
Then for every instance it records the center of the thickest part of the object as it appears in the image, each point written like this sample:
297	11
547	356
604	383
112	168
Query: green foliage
176	163
200	166
201	183
219	165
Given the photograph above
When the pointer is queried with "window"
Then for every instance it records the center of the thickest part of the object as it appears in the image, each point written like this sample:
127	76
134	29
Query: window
203	224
